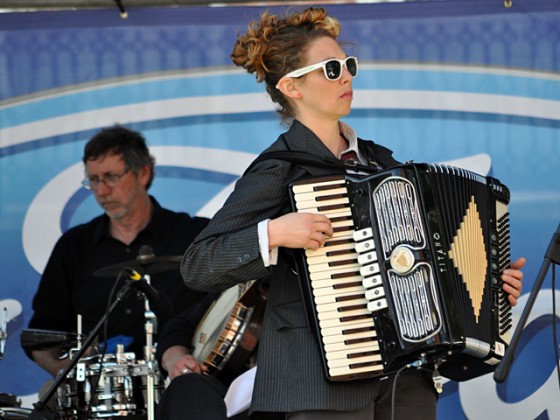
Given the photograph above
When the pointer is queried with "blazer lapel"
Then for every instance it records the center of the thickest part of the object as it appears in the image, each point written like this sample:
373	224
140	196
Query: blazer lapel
299	138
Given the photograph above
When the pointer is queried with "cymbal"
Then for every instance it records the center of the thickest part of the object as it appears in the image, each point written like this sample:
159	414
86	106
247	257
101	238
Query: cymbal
151	265
35	339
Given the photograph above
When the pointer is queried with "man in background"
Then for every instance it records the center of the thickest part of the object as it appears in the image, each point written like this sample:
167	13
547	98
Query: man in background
78	278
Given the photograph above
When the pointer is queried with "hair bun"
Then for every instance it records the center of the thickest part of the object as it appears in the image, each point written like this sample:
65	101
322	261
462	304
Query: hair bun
264	38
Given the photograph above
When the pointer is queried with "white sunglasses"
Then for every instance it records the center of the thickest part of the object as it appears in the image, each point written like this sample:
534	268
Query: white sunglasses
332	68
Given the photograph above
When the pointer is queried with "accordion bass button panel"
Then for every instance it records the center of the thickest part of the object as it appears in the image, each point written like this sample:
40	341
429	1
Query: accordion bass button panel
375	292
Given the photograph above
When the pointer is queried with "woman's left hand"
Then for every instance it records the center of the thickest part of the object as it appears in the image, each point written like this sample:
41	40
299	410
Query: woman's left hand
513	278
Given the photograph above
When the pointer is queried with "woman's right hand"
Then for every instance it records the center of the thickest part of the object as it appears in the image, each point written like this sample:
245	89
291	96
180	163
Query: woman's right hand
299	230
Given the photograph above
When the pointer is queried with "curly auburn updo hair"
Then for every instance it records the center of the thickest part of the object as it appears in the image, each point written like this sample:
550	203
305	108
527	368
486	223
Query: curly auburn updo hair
275	45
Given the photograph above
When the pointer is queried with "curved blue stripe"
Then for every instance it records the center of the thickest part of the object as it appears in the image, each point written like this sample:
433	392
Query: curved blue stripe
459	81
125	93
138	91
215	127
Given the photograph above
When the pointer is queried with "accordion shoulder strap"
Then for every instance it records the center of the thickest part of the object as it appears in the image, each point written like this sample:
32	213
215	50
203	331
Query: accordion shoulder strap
301	158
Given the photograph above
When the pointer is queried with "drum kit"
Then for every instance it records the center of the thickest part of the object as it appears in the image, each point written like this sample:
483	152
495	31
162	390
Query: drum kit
105	386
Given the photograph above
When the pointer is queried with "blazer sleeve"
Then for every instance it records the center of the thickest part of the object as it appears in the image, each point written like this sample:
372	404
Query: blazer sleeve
227	252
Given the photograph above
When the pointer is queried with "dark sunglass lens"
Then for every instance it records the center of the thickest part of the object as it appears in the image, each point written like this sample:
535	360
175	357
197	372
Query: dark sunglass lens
332	69
352	66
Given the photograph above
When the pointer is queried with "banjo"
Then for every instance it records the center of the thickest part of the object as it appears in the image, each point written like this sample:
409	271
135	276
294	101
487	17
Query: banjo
227	337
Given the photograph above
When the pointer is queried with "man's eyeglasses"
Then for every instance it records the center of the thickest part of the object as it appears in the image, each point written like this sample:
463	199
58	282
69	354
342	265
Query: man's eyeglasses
110	180
332	68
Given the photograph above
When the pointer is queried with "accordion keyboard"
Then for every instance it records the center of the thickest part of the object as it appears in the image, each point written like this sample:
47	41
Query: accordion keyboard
346	285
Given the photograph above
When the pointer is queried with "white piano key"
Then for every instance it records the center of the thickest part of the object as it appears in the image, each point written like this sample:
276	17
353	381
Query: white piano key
330	246
345	322
323	286
348	264
338	372
335	212
327	291
346	336
322	259
348	269
336	316
343	222
369	345
322	300
347	328
313	195
334	362
312	205
342	307
302	188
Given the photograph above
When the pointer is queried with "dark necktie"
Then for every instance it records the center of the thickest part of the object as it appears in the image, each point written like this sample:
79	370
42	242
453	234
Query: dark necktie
350	155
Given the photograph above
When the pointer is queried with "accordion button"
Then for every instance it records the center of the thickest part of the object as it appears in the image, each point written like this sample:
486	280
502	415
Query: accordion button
402	259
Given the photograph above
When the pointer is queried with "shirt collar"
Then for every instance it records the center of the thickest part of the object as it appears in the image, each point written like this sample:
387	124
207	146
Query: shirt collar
350	135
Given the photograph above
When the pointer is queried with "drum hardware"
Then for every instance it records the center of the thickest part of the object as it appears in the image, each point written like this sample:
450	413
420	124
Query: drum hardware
14	413
108	386
35	339
79	364
10	405
10	408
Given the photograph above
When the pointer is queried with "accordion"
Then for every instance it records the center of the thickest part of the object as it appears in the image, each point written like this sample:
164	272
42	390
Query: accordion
411	273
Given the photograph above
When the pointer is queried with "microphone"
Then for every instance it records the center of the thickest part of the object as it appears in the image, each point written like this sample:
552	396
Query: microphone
160	304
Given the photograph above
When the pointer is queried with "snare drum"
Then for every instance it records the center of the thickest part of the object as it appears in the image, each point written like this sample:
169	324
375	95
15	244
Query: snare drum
113	387
10	408
14	413
227	337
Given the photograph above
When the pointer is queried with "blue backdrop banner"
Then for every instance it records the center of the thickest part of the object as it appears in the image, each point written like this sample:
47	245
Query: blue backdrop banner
473	83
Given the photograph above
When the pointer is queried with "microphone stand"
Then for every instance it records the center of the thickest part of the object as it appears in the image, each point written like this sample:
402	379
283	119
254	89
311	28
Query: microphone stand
41	410
149	350
552	255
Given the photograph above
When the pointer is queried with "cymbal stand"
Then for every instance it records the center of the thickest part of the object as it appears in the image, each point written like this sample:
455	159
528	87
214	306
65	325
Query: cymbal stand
552	256
149	351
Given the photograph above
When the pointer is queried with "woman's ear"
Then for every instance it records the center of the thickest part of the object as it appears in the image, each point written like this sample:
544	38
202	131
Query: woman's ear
287	86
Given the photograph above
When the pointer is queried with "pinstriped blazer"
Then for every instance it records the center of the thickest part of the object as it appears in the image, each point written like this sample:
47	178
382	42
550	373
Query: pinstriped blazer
289	374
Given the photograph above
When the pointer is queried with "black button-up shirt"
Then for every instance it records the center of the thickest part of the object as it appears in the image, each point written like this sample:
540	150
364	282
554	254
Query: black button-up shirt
68	286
